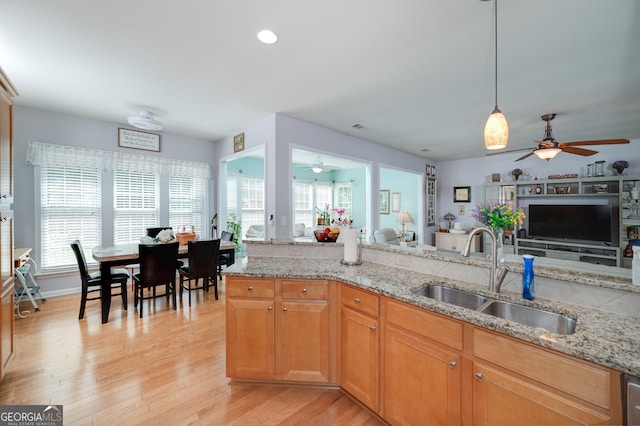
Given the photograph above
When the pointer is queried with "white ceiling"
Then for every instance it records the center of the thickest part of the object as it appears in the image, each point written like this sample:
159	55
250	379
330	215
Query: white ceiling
417	74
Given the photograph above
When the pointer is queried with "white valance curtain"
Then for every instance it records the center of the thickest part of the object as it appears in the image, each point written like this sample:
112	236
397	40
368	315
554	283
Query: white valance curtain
51	155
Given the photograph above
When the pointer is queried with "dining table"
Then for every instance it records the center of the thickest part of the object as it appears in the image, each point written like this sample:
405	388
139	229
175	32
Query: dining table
127	254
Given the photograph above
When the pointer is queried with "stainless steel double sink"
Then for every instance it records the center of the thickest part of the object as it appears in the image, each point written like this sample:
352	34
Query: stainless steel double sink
533	317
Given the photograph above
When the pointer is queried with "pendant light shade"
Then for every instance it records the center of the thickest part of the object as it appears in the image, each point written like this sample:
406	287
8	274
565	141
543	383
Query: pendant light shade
496	131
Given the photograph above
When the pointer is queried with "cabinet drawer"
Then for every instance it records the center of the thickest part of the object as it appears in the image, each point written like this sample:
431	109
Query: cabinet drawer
360	300
250	288
433	326
575	377
305	290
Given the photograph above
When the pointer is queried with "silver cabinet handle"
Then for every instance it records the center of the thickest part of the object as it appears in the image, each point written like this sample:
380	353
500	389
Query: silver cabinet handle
304	290
357	300
285	309
270	308
479	376
372	328
250	288
453	364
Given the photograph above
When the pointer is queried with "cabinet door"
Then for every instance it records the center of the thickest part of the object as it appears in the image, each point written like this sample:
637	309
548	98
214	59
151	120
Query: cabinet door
250	339
501	399
421	380
6	160
7	320
445	241
304	341
359	357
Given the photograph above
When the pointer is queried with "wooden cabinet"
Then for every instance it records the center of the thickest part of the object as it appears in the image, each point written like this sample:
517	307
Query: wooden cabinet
278	329
550	388
359	345
422	367
304	331
7	321
449	241
7	91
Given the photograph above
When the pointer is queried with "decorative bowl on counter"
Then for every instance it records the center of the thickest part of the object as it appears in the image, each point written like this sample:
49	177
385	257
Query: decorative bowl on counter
326	237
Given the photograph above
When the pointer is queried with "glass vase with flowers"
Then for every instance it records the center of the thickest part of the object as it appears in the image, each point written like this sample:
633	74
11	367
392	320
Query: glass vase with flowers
499	216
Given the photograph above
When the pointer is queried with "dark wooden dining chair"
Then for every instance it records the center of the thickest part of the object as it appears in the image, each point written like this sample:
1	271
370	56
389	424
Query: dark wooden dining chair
153	232
158	264
202	265
91	282
224	259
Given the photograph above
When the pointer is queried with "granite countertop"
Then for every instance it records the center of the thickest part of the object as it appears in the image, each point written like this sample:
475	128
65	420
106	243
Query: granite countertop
601	337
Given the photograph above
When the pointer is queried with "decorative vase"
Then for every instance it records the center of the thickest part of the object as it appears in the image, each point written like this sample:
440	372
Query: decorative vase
516	173
619	169
499	234
528	277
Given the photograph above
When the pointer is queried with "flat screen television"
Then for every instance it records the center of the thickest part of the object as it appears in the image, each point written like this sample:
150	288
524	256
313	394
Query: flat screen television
572	223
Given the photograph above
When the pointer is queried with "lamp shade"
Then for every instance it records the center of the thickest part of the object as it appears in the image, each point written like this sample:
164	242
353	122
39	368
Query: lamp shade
547	153
403	217
496	131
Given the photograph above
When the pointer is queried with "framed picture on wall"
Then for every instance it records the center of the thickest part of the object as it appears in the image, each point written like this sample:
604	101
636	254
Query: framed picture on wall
395	202
430	201
238	142
461	194
384	201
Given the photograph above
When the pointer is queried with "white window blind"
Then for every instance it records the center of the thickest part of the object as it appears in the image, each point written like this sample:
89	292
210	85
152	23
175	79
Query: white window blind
303	204
344	198
70	199
187	203
135	205
252	196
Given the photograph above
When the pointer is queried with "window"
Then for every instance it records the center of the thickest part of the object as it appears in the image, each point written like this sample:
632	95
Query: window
70	199
135	205
303	204
245	199
187	203
70	187
344	198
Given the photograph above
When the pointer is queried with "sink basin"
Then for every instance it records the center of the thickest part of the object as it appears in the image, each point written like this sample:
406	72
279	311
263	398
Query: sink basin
556	323
453	296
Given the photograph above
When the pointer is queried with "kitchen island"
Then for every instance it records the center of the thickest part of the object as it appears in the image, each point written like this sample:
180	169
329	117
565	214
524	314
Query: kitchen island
601	337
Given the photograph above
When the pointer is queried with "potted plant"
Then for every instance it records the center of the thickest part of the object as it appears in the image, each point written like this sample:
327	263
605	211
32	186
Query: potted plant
234	225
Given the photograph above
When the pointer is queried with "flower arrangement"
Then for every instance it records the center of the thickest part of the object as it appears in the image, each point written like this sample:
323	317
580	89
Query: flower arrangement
164	236
338	219
498	215
620	165
323	215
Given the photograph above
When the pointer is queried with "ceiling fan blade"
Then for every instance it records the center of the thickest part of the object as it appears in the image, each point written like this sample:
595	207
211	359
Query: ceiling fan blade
578	151
595	142
510	151
524	156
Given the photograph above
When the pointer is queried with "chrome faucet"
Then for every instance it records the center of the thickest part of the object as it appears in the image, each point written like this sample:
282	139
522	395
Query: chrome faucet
497	274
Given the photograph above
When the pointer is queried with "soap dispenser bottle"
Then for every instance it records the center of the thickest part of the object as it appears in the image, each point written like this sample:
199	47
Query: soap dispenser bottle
528	277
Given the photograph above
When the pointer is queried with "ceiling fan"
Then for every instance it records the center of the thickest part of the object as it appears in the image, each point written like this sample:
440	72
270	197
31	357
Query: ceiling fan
548	147
318	166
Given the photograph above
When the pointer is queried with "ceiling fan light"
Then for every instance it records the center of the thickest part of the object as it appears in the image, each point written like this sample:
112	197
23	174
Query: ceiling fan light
496	131
316	169
145	121
547	153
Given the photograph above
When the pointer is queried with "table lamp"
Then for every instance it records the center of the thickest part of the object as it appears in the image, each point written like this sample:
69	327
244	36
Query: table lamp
403	217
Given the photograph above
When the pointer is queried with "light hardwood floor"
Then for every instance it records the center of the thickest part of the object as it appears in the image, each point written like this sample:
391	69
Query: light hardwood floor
167	368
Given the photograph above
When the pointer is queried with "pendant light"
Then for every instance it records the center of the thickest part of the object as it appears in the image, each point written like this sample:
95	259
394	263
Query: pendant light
496	131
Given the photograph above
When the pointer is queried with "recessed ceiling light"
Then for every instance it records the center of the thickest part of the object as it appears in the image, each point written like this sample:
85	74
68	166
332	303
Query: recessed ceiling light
267	37
425	150
358	126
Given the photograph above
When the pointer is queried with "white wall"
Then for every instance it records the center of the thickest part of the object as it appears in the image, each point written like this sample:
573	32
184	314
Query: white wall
475	172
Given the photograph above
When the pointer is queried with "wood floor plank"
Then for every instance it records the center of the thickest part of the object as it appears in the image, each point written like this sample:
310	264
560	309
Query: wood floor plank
166	368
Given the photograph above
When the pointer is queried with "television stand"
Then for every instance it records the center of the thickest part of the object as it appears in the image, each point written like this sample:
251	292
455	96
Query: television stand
580	252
